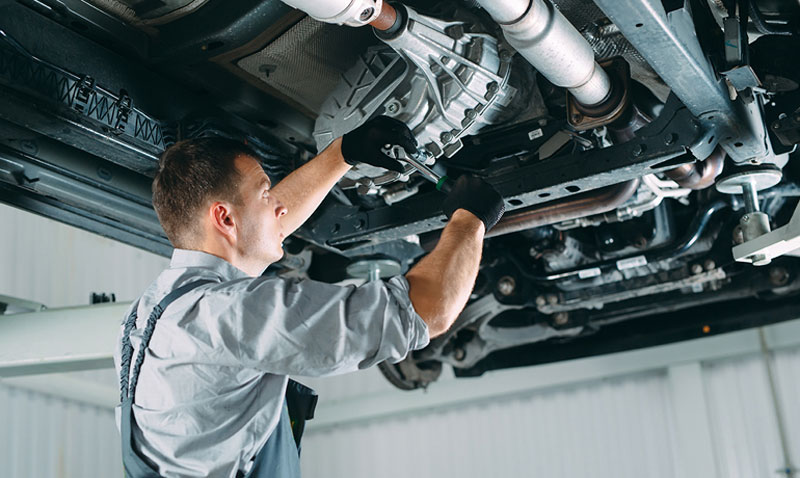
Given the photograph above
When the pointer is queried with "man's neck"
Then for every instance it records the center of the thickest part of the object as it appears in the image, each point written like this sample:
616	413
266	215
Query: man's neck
230	255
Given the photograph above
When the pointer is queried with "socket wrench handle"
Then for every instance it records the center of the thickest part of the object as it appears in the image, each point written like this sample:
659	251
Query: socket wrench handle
442	183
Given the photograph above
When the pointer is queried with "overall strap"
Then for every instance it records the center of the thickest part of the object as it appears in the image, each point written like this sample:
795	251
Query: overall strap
127	390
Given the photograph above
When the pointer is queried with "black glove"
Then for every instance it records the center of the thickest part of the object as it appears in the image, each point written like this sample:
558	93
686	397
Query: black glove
364	144
476	196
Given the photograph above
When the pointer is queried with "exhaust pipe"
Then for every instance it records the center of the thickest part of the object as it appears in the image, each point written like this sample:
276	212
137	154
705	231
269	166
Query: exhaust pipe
700	174
590	203
544	37
354	13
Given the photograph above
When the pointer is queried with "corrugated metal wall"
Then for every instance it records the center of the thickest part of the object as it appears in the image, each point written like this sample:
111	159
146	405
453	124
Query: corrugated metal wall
787	368
43	436
616	427
742	418
45	261
609	428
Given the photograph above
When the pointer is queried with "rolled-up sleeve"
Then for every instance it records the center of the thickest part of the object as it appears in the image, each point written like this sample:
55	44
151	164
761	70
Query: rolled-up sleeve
304	327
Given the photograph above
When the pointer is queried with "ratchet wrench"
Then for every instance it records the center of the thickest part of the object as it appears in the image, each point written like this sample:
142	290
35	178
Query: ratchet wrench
418	162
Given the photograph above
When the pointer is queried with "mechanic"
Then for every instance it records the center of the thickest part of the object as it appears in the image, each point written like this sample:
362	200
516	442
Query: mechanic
212	393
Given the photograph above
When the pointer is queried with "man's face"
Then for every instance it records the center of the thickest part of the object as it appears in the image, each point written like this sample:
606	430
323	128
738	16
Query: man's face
260	235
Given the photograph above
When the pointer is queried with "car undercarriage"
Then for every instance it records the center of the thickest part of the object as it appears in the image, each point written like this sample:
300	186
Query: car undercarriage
645	149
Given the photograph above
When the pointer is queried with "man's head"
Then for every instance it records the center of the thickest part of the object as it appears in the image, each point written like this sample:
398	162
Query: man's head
211	194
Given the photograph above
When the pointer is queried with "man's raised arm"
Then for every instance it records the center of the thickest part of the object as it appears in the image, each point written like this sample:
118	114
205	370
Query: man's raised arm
303	190
440	284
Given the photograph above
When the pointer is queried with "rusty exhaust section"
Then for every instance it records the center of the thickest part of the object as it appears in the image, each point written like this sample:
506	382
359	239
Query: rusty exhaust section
586	204
700	174
386	18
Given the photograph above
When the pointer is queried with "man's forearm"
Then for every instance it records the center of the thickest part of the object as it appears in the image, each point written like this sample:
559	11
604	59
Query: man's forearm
304	189
441	283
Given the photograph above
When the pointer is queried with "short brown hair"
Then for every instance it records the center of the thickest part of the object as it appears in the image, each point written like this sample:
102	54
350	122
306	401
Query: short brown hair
191	173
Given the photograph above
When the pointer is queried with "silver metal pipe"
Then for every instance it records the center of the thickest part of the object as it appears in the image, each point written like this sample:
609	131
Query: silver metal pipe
544	37
750	197
506	11
349	12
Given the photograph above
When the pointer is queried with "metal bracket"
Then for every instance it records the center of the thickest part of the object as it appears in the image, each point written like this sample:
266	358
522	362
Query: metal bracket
668	41
84	90
782	241
86	111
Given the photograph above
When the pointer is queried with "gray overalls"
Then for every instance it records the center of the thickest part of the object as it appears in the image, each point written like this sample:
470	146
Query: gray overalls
278	458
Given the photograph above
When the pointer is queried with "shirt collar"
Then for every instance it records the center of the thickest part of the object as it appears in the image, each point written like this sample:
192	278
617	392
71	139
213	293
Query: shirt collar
183	258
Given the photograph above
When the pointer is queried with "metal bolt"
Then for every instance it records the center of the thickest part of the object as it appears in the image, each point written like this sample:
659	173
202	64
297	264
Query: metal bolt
696	269
29	146
391	108
266	69
506	285
505	55
447	137
541	301
552	299
576	118
366	14
471	114
669	138
638	150
778	276
561	318
776	125
709	264
759	260
459	354
445	60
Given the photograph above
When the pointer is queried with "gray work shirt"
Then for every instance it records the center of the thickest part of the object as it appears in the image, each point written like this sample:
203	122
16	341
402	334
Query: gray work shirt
213	380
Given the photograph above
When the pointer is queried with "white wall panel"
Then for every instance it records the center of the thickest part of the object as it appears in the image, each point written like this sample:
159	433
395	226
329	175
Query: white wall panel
744	428
43	437
616	428
57	265
357	384
787	378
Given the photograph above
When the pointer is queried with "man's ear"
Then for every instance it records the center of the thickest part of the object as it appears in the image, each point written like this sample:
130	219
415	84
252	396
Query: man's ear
221	216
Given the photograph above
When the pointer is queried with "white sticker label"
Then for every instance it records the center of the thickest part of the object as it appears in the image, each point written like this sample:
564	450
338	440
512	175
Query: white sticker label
589	273
535	134
631	262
